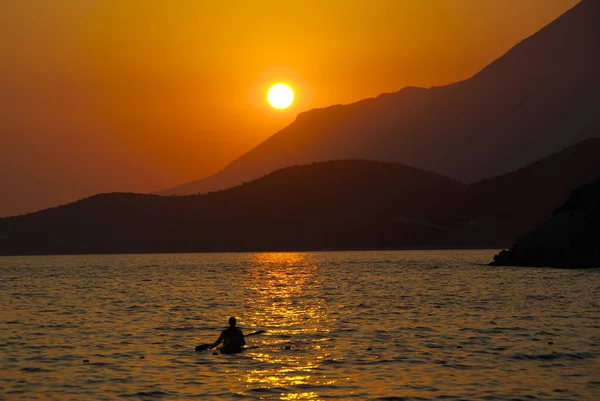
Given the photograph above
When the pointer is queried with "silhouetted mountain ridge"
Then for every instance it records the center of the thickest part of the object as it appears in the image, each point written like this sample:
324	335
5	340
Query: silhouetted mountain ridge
509	205
341	204
346	204
537	99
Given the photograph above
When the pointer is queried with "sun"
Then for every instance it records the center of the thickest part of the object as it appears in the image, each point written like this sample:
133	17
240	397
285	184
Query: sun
280	96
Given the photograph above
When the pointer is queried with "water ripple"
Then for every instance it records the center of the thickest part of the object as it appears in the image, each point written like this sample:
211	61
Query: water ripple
430	325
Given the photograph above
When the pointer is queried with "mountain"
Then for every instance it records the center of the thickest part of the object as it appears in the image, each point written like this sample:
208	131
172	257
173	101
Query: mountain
344	204
340	205
537	99
570	239
508	206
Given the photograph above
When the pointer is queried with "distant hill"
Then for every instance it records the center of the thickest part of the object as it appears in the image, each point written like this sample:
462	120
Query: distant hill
508	206
570	239
344	204
537	99
331	205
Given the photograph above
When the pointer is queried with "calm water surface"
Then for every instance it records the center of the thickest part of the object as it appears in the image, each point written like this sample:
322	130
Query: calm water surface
423	325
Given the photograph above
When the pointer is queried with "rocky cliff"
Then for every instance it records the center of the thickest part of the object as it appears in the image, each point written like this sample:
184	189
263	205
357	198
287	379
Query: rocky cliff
570	239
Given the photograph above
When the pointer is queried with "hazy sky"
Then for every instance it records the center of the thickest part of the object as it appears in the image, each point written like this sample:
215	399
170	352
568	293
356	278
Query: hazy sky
124	95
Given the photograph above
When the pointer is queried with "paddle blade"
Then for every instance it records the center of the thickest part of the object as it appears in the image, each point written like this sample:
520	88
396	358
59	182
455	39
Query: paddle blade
255	333
203	347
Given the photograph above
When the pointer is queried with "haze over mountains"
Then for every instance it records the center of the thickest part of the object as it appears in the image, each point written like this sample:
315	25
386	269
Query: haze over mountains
344	204
537	99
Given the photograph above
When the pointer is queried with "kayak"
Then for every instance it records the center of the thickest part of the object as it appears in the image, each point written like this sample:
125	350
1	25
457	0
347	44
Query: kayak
223	350
229	349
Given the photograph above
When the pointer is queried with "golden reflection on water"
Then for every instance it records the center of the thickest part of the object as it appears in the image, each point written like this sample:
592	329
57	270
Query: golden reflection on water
278	294
280	297
301	396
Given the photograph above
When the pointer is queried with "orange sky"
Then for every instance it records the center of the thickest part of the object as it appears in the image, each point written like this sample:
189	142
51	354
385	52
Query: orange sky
140	95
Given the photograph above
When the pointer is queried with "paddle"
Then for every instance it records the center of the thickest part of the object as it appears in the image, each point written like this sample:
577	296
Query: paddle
204	347
255	333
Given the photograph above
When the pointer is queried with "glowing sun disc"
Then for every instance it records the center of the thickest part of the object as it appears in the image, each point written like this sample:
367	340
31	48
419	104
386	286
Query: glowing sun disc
280	96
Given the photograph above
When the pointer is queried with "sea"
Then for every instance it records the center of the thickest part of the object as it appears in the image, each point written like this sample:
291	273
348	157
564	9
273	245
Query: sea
372	325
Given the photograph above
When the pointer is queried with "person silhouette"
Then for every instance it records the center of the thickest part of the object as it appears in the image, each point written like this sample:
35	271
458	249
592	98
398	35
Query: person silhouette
232	338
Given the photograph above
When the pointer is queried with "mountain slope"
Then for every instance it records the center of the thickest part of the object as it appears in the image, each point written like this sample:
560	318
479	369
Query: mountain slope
507	206
535	100
345	204
341	204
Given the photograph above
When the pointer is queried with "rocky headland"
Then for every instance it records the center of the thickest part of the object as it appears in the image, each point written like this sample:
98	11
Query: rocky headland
569	239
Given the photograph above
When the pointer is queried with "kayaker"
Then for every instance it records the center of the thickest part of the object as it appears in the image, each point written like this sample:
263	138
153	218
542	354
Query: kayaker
232	338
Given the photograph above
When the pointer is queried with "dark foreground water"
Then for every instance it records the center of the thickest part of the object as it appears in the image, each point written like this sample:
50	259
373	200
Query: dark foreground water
341	325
